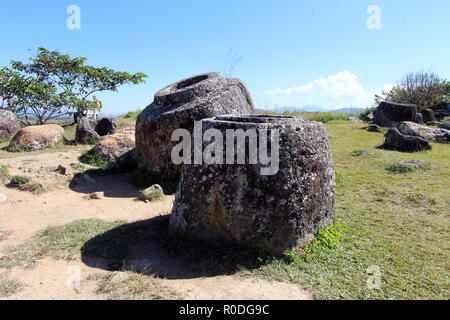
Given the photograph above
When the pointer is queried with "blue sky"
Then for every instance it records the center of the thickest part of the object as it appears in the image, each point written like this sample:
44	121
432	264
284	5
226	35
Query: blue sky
287	52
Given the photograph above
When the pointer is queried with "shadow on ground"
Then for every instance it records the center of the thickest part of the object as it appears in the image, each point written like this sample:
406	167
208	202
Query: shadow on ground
147	247
112	184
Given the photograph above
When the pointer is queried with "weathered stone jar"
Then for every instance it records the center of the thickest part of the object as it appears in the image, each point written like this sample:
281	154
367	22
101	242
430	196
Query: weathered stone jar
388	114
178	106
279	210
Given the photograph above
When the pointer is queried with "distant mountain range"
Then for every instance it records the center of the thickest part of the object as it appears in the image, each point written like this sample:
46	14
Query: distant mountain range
347	110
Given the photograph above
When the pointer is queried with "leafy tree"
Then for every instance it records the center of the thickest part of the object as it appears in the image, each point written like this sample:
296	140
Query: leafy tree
24	95
424	89
55	83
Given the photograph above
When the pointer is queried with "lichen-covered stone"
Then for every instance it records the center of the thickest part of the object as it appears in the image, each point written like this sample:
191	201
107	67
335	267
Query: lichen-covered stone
445	125
178	106
118	150
388	114
36	137
373	128
428	115
404	143
9	124
427	133
236	203
89	129
85	131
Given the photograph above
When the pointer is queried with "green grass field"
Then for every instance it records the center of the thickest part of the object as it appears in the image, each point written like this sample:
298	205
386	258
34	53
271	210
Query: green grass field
395	223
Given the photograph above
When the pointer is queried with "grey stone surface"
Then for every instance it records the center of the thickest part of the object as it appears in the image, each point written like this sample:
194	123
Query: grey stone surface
235	203
178	106
445	125
427	133
88	129
428	115
36	137
404	143
9	124
118	149
388	114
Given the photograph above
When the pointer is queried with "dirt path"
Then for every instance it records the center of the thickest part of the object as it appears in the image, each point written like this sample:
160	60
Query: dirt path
24	214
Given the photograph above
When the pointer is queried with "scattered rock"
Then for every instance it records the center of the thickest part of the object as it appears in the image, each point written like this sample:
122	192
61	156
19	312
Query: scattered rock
178	106
96	195
155	192
9	124
387	114
238	203
441	113
118	150
354	119
89	179
89	130
373	128
85	131
419	164
445	125
360	153
36	137
428	115
62	170
369	117
430	134
404	143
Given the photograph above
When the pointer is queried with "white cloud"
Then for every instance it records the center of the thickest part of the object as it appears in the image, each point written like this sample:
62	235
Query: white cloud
340	87
388	86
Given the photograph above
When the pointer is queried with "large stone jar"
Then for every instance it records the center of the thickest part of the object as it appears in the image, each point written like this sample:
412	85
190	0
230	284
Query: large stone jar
178	106
280	209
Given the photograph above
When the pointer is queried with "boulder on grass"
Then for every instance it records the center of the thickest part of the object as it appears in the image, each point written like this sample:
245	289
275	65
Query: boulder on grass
388	114
118	150
89	130
9	124
178	106
441	114
427	133
373	128
243	204
36	137
445	125
428	115
404	143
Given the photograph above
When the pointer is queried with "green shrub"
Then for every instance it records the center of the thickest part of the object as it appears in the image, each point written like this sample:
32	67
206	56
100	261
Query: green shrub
5	170
35	188
152	196
400	168
326	239
132	114
364	113
19	180
340	181
88	157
